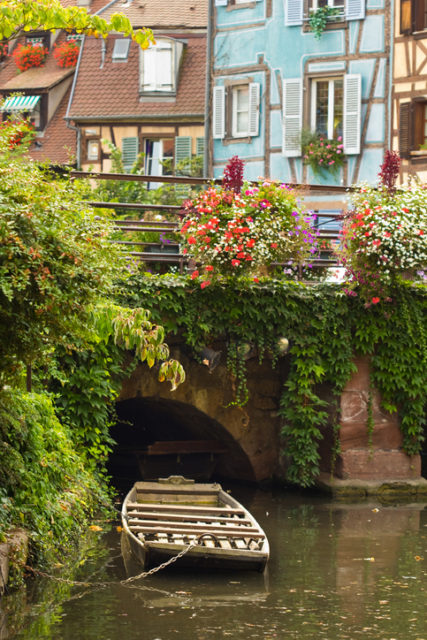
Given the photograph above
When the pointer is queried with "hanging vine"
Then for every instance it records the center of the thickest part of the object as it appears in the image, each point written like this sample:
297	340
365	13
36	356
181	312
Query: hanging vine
325	330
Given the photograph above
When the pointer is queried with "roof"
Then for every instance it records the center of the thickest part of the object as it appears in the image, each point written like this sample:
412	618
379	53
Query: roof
112	92
189	14
58	142
38	77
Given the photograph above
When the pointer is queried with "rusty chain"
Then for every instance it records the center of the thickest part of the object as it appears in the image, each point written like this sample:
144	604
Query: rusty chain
126	581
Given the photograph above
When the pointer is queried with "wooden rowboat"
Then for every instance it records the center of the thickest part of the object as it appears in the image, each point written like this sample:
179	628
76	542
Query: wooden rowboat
160	519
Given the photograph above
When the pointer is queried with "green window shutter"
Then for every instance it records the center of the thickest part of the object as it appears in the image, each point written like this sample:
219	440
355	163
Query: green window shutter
129	152
182	148
200	146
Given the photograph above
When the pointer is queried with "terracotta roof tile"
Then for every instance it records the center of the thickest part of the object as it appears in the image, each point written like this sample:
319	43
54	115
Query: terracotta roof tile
110	90
58	143
162	13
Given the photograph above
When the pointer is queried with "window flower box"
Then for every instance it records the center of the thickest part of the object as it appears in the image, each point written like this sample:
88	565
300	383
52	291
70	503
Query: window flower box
29	55
66	54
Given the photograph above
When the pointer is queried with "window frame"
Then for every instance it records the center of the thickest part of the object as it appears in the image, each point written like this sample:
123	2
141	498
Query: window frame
235	133
416	21
331	102
176	48
412	127
43	36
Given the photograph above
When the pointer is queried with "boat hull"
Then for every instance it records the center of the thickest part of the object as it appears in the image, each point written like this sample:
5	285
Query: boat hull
208	553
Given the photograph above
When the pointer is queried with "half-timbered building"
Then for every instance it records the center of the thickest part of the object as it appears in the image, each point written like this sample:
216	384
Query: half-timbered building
409	131
273	78
150	101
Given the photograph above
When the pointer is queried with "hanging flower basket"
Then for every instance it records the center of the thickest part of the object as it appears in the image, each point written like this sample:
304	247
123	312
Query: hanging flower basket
229	232
66	54
322	154
29	55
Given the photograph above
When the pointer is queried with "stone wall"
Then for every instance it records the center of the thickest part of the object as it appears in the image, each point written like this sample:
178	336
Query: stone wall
252	433
383	458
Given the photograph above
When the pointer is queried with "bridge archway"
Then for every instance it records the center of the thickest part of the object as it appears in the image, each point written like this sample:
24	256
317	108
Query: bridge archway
202	409
144	421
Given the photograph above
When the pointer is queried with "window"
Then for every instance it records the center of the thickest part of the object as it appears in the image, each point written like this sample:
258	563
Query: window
327	97
413	127
160	66
334	110
296	11
159	154
41	38
240	98
236	110
313	5
92	153
121	49
413	16
34	108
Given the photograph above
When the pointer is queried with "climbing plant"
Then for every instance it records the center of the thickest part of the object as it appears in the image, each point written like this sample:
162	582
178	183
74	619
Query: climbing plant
325	329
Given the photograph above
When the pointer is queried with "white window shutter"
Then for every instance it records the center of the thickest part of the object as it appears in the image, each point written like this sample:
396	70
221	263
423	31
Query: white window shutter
218	112
352	113
292	117
293	12
354	9
129	152
253	109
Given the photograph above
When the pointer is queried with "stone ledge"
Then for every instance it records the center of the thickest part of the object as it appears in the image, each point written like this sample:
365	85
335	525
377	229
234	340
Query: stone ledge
384	489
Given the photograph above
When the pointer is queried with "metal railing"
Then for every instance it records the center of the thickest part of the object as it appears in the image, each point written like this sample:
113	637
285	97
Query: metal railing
167	251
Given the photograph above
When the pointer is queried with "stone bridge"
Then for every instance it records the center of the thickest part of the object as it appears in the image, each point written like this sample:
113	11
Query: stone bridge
201	409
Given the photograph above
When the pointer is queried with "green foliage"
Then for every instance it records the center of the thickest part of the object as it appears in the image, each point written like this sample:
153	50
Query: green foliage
138	192
319	18
46	486
56	261
34	15
325	328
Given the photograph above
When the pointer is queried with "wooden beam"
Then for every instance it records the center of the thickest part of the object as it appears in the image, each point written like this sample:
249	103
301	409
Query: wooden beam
179	517
222	531
175	508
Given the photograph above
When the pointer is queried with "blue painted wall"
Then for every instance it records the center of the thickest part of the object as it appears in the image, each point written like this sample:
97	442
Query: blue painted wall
249	44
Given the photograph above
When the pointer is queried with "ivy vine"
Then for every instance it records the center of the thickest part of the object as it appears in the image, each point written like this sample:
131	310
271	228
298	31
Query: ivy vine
325	329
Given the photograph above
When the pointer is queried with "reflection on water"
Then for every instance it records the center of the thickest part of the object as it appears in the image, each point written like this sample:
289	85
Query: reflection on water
337	571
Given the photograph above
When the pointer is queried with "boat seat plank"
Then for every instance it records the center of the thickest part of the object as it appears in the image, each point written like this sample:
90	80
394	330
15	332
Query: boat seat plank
230	533
190	526
173	489
185	508
181	517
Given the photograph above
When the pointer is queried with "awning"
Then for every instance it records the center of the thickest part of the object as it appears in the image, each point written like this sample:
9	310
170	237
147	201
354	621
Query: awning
20	103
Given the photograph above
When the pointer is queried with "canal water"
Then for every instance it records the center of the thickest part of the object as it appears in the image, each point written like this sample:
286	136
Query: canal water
337	571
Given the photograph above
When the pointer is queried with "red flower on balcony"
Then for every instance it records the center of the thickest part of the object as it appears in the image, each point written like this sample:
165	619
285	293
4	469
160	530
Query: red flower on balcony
27	56
66	54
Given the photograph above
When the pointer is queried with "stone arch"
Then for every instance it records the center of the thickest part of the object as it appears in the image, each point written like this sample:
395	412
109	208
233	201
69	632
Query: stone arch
202	408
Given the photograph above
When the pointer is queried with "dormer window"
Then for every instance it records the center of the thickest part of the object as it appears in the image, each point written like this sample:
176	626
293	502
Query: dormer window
160	66
39	38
